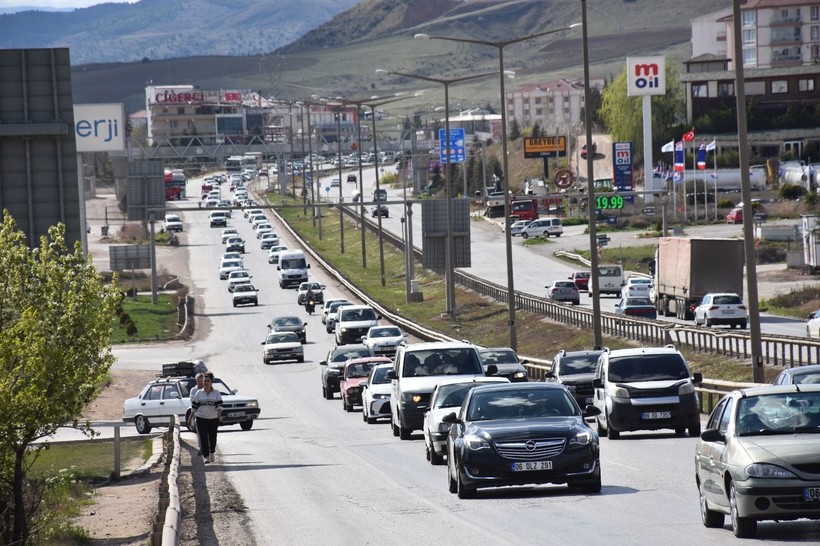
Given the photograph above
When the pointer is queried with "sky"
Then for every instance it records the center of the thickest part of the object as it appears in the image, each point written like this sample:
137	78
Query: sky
61	4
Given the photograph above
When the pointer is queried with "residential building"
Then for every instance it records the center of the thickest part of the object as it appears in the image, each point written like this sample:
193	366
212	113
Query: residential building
555	106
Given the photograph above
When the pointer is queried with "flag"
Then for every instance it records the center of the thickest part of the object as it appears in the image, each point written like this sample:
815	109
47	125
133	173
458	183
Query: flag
689	136
678	177
702	157
710	146
668	147
679	166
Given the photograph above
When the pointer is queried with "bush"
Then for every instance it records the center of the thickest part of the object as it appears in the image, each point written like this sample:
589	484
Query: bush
726	204
771	254
130	328
792	192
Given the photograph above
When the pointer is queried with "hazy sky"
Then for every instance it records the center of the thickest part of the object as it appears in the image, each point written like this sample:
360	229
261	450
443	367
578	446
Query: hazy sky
57	3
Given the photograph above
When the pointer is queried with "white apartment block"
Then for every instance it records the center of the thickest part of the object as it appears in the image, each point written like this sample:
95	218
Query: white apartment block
555	106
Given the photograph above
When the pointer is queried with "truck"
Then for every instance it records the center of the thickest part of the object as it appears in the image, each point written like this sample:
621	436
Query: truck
524	209
178	180
172	192
686	269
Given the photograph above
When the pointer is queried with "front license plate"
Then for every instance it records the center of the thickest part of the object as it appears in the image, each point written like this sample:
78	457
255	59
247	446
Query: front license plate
531	465
811	494
656	415
233	414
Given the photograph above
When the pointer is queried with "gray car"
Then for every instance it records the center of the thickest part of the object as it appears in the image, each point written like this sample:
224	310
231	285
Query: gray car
563	291
289	324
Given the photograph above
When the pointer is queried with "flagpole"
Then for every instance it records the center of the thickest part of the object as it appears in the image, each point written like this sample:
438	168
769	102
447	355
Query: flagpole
694	182
714	163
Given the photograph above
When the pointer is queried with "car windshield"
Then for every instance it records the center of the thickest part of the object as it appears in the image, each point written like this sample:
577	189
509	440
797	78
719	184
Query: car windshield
663	367
218	385
452	396
808	378
231	263
349	315
574	364
293	263
359	370
729	299
456	361
380	376
389	331
565	284
507	356
283	337
334	306
781	413
287	321
639	281
347	354
244	288
520	404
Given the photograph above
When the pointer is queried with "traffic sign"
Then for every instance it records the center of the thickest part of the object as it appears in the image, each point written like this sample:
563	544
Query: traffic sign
649	210
563	178
457	149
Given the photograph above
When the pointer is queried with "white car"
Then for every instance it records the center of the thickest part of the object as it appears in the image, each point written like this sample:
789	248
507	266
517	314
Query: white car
229	266
376	394
232	256
238	277
248	212
245	294
262	227
274	252
332	315
637	287
173	223
383	340
813	325
722	308
282	346
446	398
327	304
227	233
516	227
268	240
260	216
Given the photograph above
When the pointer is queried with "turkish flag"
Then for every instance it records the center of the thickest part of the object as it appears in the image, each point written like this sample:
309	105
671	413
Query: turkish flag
689	136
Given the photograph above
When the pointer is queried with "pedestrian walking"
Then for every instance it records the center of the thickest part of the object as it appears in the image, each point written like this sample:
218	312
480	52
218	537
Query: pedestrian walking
200	382
208	406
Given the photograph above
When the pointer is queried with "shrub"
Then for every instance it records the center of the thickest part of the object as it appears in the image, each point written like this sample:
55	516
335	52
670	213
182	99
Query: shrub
726	204
130	328
792	191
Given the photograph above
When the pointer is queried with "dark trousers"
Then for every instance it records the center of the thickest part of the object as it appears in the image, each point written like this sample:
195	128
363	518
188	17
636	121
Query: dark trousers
206	430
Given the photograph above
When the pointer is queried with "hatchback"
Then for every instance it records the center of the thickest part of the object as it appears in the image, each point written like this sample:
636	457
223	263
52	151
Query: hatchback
563	291
722	308
516	227
636	287
581	279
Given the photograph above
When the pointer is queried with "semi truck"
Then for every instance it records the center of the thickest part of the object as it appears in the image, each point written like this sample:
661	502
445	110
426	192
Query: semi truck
686	269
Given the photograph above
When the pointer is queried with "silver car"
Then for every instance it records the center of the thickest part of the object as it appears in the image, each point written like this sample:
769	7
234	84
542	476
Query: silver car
563	291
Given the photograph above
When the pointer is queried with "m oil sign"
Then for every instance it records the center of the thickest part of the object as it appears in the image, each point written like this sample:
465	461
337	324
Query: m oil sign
645	76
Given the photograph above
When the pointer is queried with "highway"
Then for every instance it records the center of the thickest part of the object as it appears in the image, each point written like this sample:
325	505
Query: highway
311	473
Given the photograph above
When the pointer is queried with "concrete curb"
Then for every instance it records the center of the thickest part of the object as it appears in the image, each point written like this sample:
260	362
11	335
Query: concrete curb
156	454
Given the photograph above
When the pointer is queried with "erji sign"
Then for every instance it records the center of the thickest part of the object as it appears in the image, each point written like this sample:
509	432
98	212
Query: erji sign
645	76
99	127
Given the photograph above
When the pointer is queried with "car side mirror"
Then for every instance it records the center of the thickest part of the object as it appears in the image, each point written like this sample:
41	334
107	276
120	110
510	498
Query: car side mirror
278	268
308	266
492	369
592	411
304	324
524	361
450	418
391	374
323	363
697	377
549	375
712	435
598	383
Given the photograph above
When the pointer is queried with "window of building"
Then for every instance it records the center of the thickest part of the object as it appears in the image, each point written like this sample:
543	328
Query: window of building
806	84
537	100
780	86
749	37
174	124
700	90
725	89
749	56
814	31
181	110
748	18
815	13
539	112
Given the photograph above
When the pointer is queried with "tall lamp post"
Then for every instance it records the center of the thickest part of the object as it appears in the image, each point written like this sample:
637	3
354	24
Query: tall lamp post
449	281
506	181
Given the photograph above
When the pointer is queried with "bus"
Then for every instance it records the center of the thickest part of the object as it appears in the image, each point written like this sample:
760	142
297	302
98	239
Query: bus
252	160
234	164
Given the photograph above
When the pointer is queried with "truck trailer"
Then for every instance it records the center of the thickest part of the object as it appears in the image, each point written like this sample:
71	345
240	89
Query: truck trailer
686	269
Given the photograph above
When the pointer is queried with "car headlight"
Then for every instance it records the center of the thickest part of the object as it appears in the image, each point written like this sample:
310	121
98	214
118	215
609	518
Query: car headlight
475	443
253	404
583	438
413	397
343	329
686	388
354	390
519	375
620	392
381	396
762	470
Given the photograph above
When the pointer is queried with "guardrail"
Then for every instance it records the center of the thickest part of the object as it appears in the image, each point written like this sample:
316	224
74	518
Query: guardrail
167	523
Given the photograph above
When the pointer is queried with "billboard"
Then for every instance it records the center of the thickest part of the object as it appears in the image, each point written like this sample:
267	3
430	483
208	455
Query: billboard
99	127
645	76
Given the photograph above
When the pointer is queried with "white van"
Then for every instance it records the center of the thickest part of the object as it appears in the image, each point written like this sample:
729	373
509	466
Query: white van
543	227
610	279
292	268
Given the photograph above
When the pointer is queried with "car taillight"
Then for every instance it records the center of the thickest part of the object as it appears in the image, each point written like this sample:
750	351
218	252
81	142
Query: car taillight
554	290
741	307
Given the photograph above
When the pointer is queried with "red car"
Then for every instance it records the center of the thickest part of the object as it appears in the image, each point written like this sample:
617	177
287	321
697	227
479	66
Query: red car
735	217
355	373
581	279
584	150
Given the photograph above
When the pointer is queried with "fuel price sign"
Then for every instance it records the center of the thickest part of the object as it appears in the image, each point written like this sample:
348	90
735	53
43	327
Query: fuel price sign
609	202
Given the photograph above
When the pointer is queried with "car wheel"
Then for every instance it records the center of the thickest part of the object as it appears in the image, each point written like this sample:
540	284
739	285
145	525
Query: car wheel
694	429
710	518
234	304
546	235
680	431
404	433
142	424
434	458
593	486
611	433
708	323
463	492
452	486
300	360
246	425
370	420
329	394
524	235
741	527
601	429
743	325
348	407
394	428
265	361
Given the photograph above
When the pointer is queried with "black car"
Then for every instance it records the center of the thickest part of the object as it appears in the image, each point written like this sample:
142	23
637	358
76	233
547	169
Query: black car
515	434
289	324
334	364
380	210
574	370
507	362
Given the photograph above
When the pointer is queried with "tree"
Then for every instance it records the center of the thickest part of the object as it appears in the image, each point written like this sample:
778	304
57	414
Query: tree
515	130
55	323
624	116
537	131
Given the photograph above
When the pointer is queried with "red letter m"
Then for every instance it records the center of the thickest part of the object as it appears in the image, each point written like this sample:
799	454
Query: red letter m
646	69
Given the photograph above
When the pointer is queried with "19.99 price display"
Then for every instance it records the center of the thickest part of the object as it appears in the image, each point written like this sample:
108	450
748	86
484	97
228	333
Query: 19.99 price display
609	202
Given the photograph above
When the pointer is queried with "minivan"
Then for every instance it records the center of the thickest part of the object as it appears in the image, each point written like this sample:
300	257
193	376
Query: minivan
650	388
292	268
610	279
353	322
379	195
543	227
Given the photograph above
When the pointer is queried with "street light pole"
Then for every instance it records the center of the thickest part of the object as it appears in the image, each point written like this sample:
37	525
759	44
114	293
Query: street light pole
449	273
339	159
506	181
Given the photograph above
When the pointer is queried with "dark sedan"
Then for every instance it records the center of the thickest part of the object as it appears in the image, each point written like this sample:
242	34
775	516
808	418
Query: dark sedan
516	434
507	362
289	324
637	307
334	363
801	375
575	370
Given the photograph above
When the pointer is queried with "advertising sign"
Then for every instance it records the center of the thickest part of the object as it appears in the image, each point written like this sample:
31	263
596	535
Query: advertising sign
99	127
623	174
545	147
457	148
645	76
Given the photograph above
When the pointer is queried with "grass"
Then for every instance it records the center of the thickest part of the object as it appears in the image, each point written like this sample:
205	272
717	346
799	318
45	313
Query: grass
152	321
479	319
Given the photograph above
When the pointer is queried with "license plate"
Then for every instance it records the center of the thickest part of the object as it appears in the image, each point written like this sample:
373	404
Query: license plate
811	494
231	414
531	465
728	312
588	401
656	415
